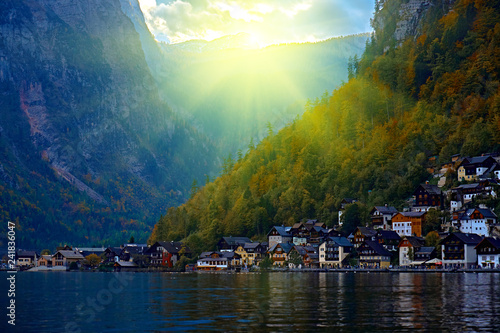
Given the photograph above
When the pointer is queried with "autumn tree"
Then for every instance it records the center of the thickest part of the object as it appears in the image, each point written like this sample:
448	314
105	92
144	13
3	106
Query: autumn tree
92	260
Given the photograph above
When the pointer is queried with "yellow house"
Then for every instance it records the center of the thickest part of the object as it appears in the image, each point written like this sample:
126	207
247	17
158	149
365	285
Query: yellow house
373	255
250	253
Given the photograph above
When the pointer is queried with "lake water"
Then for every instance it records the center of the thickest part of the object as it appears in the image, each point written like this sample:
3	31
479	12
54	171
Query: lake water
273	302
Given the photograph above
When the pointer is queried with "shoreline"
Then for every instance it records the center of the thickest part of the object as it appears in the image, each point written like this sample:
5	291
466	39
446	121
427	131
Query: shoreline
291	270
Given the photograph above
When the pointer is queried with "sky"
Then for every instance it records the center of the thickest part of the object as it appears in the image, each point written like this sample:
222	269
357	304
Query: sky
267	21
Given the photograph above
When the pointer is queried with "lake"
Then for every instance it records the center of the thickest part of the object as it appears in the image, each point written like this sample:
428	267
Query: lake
273	302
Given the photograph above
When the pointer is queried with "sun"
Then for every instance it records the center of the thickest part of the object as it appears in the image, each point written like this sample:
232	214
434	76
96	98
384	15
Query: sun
255	40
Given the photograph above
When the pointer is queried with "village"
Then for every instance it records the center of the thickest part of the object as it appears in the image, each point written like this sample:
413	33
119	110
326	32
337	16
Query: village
392	239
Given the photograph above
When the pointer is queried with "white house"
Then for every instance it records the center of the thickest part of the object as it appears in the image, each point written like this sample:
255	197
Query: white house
488	253
279	234
333	251
382	216
402	228
407	248
476	221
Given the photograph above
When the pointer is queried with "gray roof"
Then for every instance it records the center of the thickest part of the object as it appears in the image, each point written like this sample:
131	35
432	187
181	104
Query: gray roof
206	254
379	249
213	259
126	264
487	213
23	253
90	249
415	241
388	234
229	254
236	240
300	249
412	214
468	186
425	249
367	231
70	254
341	241
320	229
173	247
466	238
431	189
477	159
495	242
386	210
285	246
282	230
247	246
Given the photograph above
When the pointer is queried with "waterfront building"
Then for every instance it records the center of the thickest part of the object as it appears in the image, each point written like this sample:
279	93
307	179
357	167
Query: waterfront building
407	248
373	255
26	258
333	251
279	253
66	257
250	253
458	250
45	260
488	252
167	253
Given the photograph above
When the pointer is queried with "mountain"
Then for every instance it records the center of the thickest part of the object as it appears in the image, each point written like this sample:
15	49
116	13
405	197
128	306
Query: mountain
240	41
425	88
232	92
89	151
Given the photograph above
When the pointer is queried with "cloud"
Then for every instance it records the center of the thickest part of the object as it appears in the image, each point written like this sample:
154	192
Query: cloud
271	21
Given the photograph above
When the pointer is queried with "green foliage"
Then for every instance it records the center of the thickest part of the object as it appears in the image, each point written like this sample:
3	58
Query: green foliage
141	260
411	254
266	263
45	252
180	265
355	215
432	239
73	266
294	258
433	220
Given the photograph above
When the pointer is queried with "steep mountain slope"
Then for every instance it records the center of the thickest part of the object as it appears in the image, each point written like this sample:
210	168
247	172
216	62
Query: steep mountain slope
431	90
89	152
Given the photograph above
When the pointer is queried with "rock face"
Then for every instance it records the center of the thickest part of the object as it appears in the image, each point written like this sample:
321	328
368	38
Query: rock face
77	95
410	15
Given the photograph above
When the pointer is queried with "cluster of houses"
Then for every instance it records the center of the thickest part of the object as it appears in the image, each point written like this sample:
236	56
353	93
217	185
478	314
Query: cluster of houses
394	236
125	257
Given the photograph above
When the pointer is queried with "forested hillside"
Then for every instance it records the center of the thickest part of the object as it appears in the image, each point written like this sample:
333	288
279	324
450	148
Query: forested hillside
430	89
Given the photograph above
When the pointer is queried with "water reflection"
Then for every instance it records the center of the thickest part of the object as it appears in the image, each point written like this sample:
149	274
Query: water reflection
273	302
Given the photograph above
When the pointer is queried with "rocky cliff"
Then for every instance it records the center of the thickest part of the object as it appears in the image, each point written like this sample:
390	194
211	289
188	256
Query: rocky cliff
79	101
